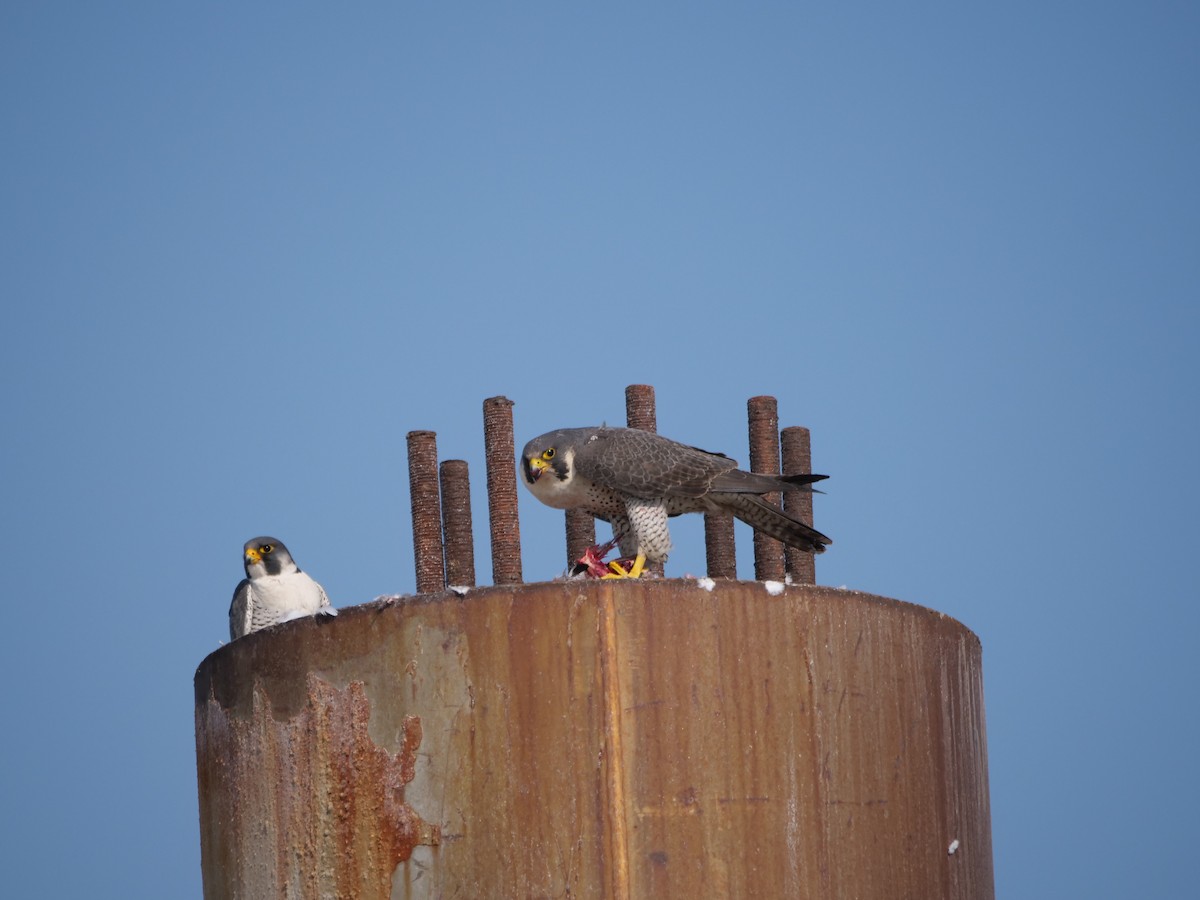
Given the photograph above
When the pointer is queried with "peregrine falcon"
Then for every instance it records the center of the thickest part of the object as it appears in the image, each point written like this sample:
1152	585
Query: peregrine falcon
274	590
636	479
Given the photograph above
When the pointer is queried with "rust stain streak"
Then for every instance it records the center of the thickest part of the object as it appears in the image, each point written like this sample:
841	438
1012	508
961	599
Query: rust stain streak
337	815
610	675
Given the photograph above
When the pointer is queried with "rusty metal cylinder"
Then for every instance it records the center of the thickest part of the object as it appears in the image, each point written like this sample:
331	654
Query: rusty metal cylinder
594	740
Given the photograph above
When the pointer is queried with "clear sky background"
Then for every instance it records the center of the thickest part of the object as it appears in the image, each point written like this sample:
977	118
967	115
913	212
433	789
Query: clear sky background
244	249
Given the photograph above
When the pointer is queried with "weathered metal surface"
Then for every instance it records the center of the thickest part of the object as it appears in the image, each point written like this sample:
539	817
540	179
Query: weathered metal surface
456	522
426	511
643	739
796	449
503	518
763	415
293	804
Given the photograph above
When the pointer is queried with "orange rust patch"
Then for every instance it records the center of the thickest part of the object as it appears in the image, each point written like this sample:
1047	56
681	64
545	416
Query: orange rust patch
313	786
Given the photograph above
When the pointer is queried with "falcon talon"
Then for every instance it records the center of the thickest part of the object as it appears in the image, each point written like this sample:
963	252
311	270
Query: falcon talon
635	480
624	568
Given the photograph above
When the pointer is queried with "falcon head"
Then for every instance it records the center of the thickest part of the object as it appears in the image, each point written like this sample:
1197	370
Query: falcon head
267	556
547	455
548	467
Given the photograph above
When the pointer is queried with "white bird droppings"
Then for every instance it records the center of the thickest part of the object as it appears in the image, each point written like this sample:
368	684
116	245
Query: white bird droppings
953	846
774	588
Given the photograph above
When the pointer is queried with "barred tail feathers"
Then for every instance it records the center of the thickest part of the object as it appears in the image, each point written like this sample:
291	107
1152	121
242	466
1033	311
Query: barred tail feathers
771	520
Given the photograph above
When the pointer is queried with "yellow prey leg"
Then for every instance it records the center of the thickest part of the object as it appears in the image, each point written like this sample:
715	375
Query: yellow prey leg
635	570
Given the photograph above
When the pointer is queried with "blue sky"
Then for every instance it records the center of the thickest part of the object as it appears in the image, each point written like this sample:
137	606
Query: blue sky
245	251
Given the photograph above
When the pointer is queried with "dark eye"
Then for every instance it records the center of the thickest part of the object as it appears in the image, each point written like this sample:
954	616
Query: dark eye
549	454
267	548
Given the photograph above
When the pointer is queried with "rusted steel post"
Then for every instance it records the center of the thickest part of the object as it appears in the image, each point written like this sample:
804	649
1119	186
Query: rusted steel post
797	460
502	490
720	551
581	534
456	523
763	413
555	739
426	511
640	412
719	547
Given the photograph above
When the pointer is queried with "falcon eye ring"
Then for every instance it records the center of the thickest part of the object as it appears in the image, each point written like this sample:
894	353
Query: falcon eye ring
267	548
548	454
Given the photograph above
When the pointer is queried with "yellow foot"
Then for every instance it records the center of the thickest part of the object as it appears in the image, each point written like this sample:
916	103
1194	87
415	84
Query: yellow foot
635	571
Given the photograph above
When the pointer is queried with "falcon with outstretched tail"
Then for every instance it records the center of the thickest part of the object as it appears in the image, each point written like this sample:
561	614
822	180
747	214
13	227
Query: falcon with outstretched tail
636	479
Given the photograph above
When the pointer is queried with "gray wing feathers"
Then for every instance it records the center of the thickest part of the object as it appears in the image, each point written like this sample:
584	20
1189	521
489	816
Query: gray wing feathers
240	610
642	464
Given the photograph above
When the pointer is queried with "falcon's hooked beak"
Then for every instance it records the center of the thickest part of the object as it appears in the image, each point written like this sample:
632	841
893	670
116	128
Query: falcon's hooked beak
534	469
254	555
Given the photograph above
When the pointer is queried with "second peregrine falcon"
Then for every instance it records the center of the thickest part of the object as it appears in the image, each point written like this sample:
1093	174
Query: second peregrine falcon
637	479
274	589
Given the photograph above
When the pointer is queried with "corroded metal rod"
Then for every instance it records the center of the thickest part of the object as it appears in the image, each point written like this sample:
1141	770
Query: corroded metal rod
640	410
581	534
426	511
763	414
719	546
456	523
502	490
797	460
